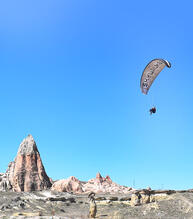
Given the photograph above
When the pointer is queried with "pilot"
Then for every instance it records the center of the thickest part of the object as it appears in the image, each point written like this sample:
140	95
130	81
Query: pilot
152	110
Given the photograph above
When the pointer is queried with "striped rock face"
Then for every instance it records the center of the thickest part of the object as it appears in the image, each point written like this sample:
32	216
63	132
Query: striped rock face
97	185
27	172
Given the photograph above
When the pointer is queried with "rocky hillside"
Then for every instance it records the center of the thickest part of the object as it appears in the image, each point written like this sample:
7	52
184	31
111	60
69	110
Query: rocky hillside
98	185
139	204
27	173
26	190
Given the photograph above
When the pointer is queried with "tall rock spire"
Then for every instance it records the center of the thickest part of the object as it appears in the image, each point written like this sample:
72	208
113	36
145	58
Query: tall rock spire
27	172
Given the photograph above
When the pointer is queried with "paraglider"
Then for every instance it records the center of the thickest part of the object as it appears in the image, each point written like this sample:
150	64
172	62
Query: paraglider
152	110
150	73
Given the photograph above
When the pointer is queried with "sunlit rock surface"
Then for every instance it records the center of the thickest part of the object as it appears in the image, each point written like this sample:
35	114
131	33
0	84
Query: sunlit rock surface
98	185
27	172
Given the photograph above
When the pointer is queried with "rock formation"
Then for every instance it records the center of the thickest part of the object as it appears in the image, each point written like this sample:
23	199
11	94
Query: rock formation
104	185
49	204
27	172
71	184
98	185
5	184
93	206
135	199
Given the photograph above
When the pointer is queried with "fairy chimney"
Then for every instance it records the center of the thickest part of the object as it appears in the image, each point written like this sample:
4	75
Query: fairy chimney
27	172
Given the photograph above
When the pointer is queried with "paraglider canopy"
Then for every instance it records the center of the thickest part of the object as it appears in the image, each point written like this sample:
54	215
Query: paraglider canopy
150	72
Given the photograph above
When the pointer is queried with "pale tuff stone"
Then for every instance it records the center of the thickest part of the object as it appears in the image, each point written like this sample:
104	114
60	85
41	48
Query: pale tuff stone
98	185
135	199
145	199
5	184
71	184
92	208
145	196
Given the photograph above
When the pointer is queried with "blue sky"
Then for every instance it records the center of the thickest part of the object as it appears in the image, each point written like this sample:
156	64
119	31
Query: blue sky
70	73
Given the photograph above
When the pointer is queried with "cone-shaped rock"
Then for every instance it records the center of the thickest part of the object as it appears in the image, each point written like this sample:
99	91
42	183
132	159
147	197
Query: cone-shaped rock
27	172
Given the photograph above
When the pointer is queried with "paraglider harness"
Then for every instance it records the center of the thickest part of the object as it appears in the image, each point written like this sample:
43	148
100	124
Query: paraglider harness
152	110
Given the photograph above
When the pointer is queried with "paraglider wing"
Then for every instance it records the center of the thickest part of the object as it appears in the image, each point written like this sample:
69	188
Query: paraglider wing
150	72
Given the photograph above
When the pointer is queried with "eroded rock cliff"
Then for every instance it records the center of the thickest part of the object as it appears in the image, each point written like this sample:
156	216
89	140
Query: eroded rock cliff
27	172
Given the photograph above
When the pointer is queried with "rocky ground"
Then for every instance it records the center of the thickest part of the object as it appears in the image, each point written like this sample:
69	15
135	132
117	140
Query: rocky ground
52	204
26	191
